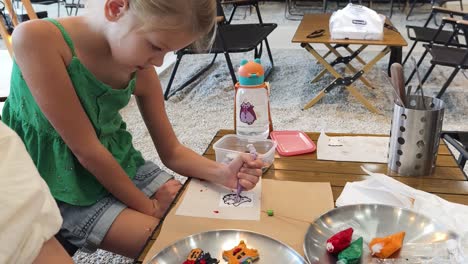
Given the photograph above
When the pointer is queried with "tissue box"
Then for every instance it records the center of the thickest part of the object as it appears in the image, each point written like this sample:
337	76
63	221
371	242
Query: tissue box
230	146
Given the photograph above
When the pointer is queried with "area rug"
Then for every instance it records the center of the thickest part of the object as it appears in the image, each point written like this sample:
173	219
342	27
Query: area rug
206	106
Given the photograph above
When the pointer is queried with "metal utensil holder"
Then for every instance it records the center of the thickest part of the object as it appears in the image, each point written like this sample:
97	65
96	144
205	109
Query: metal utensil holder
415	136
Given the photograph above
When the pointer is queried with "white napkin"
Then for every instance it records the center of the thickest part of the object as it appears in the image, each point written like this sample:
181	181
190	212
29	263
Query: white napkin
381	189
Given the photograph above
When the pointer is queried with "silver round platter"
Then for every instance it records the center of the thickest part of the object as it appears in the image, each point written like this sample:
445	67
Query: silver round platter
215	241
425	239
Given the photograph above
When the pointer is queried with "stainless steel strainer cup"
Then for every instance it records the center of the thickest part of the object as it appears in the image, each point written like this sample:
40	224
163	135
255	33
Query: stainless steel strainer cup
415	136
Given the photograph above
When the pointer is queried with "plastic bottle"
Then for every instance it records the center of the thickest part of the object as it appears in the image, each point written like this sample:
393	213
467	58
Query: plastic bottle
252	117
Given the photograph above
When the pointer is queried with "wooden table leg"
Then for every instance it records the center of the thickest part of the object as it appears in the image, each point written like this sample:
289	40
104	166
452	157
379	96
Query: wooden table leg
318	76
362	78
322	61
326	55
314	100
358	58
351	67
327	66
339	78
351	51
396	55
352	90
348	66
372	62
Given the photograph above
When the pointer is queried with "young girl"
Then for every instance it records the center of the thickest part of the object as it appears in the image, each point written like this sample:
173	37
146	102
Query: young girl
71	78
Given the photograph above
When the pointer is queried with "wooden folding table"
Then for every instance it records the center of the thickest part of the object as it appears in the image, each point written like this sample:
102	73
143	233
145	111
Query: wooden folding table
447	181
393	41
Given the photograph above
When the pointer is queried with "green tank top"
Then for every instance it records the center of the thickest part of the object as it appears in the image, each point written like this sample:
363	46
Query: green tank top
67	179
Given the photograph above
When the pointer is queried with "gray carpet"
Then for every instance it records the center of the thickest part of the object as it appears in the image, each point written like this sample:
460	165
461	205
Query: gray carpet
207	106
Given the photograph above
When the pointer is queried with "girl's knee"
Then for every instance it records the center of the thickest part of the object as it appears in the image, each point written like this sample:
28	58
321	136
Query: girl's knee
129	233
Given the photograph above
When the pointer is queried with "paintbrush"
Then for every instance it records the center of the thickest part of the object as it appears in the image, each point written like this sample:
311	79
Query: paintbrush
396	97
420	86
252	152
408	91
398	80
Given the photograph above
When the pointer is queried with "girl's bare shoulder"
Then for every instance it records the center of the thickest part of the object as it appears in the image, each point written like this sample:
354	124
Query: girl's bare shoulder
39	35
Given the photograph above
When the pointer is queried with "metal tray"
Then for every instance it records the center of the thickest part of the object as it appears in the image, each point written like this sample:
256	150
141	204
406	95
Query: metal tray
424	239
214	242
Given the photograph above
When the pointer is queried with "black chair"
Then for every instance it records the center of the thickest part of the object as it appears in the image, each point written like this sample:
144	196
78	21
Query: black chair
434	3
73	5
250	3
236	3
359	2
48	2
426	34
454	57
2	99
459	140
295	10
230	38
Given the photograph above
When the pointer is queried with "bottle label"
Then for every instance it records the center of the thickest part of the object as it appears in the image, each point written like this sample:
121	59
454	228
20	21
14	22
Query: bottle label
252	109
247	113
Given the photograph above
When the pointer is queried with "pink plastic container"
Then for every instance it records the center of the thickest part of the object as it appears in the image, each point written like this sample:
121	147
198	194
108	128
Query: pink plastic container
292	143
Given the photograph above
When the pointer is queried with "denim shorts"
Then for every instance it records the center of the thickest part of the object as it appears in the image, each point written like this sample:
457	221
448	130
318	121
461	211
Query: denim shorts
86	226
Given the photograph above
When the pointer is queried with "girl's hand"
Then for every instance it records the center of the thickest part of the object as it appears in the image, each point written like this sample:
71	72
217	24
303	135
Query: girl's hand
245	169
164	196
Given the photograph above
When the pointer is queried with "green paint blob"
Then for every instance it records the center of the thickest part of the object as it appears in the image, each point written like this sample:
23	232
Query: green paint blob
352	254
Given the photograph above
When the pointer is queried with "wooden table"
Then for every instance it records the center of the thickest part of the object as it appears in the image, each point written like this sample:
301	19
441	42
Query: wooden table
448	180
393	41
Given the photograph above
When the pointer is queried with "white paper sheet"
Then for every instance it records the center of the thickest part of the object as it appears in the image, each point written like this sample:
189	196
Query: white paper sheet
381	189
206	199
360	149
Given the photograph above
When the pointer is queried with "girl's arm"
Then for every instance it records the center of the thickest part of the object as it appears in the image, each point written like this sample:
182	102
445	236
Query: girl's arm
176	156
41	54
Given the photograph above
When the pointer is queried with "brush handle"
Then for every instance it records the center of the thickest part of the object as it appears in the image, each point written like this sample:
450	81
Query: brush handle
398	80
396	96
252	152
238	191
239	188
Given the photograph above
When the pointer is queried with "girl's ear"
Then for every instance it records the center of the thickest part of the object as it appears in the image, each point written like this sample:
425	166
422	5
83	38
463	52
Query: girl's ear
114	9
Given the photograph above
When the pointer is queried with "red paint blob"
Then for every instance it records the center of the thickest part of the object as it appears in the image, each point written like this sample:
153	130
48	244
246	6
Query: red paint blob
339	241
216	211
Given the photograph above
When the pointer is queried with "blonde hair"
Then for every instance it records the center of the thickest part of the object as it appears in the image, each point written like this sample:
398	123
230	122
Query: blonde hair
194	16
